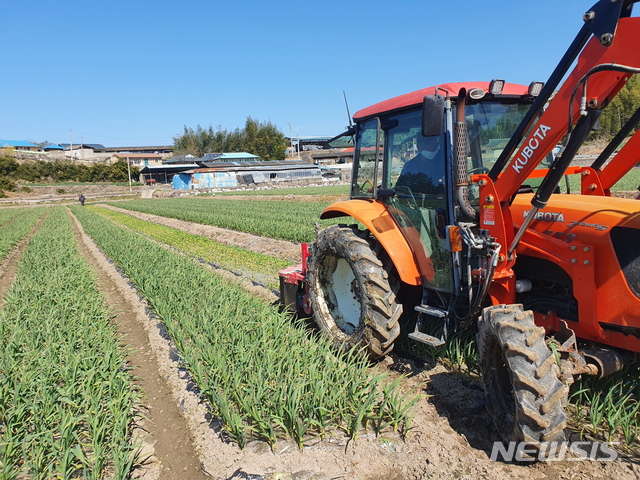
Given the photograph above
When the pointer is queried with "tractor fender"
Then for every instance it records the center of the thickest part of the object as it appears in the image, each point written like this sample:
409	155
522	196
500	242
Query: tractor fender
376	217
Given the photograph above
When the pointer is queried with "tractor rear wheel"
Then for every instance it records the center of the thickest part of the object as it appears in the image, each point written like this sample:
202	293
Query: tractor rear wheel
520	373
352	290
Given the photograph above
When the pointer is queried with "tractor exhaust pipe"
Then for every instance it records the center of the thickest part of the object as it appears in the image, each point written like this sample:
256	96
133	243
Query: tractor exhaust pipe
461	149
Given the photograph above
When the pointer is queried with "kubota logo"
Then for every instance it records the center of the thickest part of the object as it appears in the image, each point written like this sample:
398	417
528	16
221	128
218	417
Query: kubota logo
530	148
547	216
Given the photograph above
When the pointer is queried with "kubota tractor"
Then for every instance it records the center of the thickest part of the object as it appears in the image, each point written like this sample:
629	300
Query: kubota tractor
460	188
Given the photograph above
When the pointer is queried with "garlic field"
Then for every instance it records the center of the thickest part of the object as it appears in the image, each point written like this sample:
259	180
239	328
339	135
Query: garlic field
68	396
259	394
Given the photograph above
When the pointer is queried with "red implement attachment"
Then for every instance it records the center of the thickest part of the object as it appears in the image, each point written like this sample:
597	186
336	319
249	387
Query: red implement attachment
294	292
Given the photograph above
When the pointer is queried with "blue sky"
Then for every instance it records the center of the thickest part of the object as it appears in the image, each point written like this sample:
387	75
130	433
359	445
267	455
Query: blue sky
135	72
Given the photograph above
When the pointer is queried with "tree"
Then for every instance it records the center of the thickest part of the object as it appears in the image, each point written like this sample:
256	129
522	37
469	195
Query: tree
262	139
620	110
8	166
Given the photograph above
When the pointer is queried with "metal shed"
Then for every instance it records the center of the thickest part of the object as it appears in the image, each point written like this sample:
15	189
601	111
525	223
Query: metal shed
232	174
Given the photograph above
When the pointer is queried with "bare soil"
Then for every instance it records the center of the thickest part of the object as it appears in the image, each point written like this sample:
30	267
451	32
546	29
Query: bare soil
452	433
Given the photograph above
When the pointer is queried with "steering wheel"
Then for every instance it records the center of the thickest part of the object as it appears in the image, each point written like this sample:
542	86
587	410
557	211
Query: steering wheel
477	170
364	184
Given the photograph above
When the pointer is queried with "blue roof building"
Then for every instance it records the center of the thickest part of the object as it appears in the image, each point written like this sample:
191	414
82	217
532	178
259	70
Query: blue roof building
20	145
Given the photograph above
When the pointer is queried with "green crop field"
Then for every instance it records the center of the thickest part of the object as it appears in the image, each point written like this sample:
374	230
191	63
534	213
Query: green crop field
294	221
282	382
257	267
67	395
66	402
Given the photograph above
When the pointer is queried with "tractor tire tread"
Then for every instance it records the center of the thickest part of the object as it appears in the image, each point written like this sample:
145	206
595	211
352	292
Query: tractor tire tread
379	325
524	395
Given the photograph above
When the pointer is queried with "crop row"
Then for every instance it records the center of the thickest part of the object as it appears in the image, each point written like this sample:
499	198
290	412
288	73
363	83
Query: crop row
16	226
8	214
264	375
319	191
260	268
66	399
294	221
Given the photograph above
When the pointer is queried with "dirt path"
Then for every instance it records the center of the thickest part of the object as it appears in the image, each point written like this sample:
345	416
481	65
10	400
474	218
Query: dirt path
169	450
451	438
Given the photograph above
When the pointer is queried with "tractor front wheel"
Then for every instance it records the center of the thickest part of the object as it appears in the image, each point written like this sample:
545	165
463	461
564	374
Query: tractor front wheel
352	290
520	374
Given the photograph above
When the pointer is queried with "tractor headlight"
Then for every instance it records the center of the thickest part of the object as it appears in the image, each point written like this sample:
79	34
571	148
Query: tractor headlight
535	88
496	86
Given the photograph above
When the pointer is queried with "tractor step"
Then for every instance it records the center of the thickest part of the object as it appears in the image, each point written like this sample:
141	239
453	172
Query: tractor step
426	339
434	312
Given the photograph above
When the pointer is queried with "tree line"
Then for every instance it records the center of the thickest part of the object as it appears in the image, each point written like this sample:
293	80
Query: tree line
258	138
619	111
60	171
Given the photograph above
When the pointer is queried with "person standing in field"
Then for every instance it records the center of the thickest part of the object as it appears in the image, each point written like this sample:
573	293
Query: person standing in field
81	199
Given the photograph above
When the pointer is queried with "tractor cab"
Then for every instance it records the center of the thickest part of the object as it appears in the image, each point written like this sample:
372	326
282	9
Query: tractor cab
406	157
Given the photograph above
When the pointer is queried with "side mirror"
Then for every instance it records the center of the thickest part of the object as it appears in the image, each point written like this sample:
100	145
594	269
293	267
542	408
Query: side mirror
432	115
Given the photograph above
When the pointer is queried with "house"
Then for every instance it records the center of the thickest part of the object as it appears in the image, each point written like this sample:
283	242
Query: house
82	151
137	159
54	148
147	149
22	145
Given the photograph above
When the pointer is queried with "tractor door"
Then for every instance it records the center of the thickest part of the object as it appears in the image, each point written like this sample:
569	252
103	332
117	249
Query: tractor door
367	172
415	170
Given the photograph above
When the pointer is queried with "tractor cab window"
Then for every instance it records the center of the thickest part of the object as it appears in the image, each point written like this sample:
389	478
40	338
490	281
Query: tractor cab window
367	168
415	170
490	126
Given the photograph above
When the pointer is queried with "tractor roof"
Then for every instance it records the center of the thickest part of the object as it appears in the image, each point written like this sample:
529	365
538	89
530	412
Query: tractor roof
415	98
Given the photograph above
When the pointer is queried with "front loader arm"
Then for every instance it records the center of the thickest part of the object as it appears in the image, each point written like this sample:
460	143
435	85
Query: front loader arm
602	68
605	69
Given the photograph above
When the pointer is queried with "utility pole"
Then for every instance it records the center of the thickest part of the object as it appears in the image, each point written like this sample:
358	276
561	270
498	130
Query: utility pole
71	142
291	137
129	172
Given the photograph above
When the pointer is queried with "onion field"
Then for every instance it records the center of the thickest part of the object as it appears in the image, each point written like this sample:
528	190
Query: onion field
264	268
263	375
287	220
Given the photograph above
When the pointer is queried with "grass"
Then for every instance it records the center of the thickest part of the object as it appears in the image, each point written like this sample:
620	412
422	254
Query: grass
629	182
72	184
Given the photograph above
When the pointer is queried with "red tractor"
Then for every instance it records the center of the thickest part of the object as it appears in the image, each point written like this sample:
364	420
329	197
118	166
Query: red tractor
459	188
